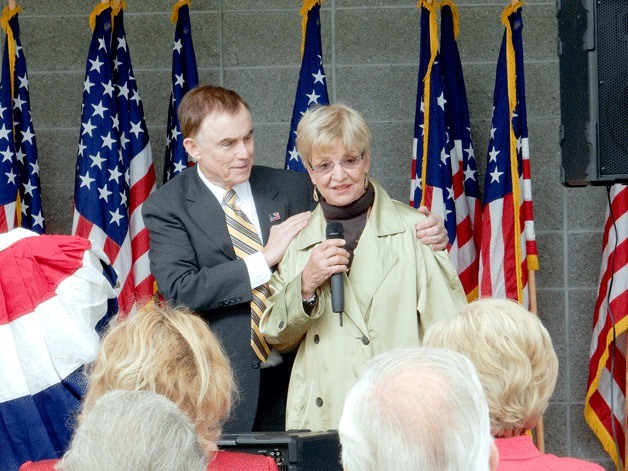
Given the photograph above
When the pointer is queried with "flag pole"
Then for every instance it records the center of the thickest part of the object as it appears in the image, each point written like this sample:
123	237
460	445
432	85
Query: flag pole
540	428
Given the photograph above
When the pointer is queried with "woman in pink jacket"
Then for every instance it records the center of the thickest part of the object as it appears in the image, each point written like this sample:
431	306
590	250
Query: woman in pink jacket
517	366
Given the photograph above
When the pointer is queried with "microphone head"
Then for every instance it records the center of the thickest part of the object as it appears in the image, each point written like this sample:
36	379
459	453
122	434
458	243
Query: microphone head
335	230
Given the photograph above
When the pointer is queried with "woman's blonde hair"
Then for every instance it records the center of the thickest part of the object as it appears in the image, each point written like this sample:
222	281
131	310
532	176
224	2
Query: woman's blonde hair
170	351
513	354
323	127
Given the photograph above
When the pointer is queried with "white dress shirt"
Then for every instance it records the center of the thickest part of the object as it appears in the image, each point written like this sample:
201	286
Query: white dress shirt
259	272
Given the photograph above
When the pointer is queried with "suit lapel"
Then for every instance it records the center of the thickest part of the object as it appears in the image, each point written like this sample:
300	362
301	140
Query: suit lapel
207	212
271	209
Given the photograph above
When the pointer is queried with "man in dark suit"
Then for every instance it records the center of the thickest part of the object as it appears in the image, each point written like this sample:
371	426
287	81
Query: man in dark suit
192	254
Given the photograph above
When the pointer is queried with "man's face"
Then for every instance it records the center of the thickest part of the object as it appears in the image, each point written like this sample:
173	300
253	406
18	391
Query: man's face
223	147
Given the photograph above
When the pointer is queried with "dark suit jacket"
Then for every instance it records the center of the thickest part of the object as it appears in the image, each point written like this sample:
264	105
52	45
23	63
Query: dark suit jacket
192	259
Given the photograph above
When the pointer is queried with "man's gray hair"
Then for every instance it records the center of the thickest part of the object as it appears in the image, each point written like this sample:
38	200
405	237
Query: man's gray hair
420	409
138	430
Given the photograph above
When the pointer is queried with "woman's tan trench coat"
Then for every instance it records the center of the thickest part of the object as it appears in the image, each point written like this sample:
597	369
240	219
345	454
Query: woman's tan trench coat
396	287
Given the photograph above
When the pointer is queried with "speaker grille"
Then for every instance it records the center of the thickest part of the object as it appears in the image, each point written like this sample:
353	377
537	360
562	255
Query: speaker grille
612	47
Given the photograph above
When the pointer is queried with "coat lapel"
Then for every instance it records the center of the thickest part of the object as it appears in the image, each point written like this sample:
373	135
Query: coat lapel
372	256
376	260
208	214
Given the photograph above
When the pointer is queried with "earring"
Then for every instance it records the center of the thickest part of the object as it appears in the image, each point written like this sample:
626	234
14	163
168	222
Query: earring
366	182
315	195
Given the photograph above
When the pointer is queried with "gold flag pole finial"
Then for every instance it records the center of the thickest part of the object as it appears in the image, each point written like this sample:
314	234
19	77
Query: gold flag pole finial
98	9
174	17
9	12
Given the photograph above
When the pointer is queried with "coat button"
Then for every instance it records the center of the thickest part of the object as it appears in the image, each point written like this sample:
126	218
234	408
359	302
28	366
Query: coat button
365	340
319	402
281	325
255	364
239	298
316	338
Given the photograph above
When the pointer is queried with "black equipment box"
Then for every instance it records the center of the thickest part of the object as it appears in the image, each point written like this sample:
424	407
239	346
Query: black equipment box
293	450
593	59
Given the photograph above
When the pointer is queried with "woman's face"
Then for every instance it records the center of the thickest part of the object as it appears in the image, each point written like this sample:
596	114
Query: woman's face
330	172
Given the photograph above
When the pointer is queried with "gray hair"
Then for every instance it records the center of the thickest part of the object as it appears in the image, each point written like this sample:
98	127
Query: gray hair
138	430
421	409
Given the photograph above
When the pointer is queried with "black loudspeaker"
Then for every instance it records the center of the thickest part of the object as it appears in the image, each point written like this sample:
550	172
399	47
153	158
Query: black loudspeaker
593	56
298	450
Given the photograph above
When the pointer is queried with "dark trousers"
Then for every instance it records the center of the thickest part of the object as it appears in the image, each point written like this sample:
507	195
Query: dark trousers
273	394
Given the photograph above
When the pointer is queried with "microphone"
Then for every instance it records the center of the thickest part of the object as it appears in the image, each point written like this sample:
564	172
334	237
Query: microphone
335	230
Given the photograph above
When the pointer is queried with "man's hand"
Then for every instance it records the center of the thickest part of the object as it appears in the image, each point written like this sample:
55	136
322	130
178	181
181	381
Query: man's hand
431	230
281	235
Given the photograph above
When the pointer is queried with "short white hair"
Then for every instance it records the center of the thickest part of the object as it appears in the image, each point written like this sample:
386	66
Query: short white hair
134	430
420	409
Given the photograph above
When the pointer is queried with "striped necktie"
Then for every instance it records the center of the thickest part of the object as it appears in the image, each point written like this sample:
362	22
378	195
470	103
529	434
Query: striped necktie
246	241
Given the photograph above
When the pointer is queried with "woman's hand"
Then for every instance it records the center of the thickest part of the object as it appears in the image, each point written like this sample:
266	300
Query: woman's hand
325	260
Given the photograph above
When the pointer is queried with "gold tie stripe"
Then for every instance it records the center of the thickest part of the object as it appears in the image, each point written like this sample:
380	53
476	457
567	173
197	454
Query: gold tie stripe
245	242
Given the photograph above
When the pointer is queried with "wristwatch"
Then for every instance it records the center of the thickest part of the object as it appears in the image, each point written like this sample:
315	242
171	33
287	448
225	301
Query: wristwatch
308	304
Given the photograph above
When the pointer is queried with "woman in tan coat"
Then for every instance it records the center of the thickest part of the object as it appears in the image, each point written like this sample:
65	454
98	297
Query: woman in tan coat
394	286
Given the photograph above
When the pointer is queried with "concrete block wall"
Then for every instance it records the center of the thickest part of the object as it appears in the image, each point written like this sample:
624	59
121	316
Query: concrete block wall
370	57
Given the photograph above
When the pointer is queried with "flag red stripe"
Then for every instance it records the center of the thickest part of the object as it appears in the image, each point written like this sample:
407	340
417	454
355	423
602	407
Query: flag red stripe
141	189
84	228
111	249
486	282
140	243
620	259
464	231
509	241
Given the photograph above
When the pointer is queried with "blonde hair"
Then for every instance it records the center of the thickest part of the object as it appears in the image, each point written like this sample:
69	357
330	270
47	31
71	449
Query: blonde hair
172	352
513	355
323	127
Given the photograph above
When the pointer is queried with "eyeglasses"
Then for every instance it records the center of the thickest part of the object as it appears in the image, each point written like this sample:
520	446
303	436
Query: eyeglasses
346	163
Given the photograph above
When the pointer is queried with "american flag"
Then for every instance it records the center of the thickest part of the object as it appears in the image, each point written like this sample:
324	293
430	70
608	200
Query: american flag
443	163
312	87
20	192
184	78
508	242
605	403
114	172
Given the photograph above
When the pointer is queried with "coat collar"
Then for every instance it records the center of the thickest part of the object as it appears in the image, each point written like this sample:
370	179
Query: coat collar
383	219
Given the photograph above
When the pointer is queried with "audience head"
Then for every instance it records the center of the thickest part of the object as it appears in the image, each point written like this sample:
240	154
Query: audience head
137	430
513	355
203	101
172	352
421	409
324	127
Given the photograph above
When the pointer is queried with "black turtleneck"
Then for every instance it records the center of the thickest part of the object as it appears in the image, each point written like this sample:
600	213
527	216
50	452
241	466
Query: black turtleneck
352	217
